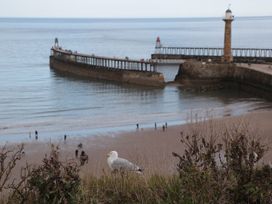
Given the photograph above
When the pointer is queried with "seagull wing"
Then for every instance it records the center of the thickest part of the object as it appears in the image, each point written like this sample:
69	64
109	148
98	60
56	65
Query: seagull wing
123	164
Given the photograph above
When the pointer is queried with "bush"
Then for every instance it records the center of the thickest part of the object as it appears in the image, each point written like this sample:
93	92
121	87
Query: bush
211	172
52	182
8	160
201	178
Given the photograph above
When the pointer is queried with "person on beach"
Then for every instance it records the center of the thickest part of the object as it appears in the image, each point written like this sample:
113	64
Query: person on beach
76	153
80	145
83	158
137	126
155	126
36	134
163	128
165	125
65	137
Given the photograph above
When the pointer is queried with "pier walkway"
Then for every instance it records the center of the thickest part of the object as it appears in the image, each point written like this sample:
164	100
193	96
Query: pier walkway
104	62
263	68
199	53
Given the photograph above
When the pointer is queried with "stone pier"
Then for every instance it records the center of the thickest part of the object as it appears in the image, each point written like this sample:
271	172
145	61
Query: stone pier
253	76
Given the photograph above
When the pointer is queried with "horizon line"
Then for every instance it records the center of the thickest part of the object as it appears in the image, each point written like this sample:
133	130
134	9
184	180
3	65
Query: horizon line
65	17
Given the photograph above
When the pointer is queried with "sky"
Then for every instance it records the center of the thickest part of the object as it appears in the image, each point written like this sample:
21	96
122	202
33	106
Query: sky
132	8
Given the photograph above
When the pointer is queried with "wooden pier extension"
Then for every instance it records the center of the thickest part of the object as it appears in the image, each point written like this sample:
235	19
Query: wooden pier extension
139	72
240	55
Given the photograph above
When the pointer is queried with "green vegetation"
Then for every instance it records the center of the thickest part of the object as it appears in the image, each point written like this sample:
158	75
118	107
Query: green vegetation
207	172
211	172
53	181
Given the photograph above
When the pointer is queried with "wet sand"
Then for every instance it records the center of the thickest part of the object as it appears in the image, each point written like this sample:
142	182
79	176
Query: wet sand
149	148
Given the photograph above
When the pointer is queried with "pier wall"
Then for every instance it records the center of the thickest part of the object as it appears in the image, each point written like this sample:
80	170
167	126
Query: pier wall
251	78
126	76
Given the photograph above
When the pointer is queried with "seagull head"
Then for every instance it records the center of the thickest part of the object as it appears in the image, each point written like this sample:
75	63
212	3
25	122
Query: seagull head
113	155
255	155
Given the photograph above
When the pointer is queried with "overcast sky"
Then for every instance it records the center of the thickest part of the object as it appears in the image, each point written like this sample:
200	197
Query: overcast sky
132	8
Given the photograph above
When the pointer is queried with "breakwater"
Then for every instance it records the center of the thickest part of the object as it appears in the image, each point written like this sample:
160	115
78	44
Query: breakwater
112	69
252	76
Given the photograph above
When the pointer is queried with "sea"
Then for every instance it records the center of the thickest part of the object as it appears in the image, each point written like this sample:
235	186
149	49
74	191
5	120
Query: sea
34	97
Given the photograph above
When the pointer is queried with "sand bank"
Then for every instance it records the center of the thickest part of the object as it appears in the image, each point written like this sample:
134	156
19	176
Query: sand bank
150	148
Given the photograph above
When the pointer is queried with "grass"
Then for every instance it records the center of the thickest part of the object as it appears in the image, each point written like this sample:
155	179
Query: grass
131	188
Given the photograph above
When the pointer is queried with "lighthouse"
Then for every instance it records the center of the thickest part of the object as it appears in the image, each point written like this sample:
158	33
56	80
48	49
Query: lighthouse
56	43
158	45
227	40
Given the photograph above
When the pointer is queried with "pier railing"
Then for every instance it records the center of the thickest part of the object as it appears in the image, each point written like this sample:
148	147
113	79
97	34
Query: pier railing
103	62
214	52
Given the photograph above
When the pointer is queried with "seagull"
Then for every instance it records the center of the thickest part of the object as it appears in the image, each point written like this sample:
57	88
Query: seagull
255	156
119	164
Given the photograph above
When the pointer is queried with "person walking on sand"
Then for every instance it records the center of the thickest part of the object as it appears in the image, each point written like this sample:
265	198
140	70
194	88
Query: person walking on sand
165	125
83	158
80	145
163	128
36	134
76	153
65	137
155	126
137	126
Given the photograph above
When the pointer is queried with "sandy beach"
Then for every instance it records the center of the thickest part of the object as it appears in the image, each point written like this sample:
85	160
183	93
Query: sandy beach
150	148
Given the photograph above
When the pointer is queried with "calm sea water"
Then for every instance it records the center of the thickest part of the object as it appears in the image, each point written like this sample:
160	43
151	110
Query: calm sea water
34	97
